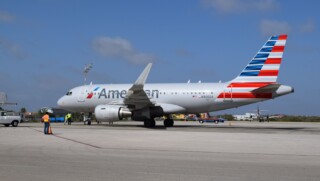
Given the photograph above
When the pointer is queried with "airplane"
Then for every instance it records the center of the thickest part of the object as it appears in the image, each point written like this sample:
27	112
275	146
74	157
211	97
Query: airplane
145	102
261	117
3	100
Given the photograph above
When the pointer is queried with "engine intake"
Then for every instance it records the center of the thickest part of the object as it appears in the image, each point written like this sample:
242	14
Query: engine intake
109	113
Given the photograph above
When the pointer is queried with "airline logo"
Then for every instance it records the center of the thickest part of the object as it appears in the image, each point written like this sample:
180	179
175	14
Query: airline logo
90	95
261	71
267	61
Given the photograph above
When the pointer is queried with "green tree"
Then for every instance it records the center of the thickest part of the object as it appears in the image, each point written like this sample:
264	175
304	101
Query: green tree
23	110
228	117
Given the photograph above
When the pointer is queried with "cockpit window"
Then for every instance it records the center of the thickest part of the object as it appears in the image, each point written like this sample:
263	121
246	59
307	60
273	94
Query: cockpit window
69	93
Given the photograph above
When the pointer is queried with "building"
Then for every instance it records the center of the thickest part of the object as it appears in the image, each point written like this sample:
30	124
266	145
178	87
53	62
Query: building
245	117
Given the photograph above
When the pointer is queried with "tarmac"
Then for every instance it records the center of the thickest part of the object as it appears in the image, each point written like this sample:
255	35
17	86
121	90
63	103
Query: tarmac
189	151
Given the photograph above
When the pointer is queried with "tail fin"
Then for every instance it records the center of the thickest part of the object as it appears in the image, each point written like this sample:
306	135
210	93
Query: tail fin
265	65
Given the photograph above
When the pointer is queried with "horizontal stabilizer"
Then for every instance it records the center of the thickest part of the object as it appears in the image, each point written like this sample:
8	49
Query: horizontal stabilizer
267	88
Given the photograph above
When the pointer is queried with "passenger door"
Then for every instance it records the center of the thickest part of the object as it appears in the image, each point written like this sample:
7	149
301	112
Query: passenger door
82	94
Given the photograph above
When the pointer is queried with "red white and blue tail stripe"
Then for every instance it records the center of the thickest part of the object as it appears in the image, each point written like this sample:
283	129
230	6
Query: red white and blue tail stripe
265	65
258	79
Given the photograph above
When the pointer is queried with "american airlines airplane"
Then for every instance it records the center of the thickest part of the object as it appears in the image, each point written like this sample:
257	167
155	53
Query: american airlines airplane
144	102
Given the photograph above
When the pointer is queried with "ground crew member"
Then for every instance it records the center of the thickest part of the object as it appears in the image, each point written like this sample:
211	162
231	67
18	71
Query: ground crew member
46	120
69	118
65	119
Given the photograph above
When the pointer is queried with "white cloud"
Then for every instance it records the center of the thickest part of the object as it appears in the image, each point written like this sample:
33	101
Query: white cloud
120	48
6	17
183	52
308	26
240	6
12	48
272	27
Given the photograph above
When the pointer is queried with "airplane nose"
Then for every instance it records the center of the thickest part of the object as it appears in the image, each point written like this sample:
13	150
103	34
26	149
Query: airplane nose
60	102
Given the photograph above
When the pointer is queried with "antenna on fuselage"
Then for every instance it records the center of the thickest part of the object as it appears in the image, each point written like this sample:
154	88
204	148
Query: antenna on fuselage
86	70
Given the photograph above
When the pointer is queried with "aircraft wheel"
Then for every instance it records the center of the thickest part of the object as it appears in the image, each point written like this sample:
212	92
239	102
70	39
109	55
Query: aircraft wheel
168	123
149	123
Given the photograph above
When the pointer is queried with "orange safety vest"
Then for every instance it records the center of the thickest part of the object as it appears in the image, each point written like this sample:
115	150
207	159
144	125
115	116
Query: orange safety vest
45	118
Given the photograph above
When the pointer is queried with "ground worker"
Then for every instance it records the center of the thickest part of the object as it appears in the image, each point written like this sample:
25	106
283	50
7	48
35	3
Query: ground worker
65	119
69	116
46	120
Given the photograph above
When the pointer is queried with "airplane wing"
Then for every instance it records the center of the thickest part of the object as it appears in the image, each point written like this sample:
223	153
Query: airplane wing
136	96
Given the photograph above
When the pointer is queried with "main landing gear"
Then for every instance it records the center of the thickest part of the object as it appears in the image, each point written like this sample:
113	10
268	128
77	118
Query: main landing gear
149	123
168	122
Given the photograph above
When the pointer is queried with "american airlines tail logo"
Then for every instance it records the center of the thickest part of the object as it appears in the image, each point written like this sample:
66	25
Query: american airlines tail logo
90	95
262	71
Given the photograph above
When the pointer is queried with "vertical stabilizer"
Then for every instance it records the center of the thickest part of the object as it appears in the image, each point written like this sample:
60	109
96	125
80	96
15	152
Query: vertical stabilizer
265	65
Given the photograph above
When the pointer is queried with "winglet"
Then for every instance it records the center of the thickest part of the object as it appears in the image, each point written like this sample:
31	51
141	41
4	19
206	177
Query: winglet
136	96
142	78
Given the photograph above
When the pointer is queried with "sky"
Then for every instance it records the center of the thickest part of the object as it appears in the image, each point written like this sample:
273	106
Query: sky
45	45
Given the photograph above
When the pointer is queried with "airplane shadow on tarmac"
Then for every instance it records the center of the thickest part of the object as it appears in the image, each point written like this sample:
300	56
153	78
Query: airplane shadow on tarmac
192	128
212	127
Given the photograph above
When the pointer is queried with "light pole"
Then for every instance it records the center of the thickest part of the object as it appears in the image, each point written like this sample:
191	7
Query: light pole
86	70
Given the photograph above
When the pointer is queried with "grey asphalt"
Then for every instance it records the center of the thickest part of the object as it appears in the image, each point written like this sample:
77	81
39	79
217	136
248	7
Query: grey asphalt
189	151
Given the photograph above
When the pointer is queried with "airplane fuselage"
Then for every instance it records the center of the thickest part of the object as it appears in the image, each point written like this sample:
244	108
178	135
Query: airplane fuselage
191	97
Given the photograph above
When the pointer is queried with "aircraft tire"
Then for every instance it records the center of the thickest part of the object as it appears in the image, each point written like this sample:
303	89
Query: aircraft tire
168	123
149	123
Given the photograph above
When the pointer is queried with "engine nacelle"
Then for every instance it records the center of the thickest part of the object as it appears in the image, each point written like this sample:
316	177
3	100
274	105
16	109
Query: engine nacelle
109	113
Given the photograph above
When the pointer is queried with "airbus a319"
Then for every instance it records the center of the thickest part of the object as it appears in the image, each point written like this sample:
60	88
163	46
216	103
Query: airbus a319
145	102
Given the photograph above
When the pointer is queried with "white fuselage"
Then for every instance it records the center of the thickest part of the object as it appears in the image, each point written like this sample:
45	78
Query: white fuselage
188	97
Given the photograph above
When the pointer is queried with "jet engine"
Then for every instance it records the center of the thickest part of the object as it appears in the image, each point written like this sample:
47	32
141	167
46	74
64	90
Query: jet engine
110	113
